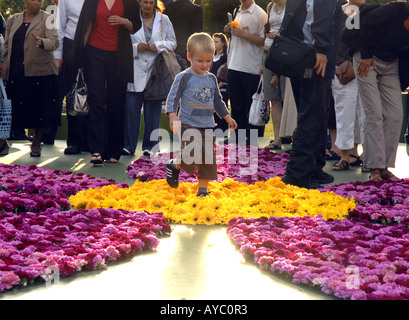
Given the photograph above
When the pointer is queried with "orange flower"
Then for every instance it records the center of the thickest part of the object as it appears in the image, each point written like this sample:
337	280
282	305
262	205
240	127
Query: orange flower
235	24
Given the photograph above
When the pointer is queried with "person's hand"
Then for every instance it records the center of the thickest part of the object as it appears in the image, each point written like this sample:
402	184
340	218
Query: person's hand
271	35
59	64
274	81
153	48
364	66
231	122
174	123
142	47
321	64
238	32
227	29
38	40
115	20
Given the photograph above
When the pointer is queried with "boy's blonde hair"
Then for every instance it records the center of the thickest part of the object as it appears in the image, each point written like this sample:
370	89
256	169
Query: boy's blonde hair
200	41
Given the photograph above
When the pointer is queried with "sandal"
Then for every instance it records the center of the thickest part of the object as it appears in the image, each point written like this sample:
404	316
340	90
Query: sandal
112	160
172	174
341	165
387	175
273	146
331	155
96	159
375	175
357	162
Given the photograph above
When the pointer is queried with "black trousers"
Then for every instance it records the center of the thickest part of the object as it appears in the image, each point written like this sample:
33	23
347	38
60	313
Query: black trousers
77	125
242	86
106	97
307	156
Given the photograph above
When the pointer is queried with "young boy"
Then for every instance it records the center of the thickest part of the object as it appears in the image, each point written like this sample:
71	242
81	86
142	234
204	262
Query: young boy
197	91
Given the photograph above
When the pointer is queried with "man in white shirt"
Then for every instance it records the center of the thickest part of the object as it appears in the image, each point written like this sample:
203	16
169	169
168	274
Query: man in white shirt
245	62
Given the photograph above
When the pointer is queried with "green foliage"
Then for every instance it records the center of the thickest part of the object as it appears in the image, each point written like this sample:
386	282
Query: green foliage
215	11
9	7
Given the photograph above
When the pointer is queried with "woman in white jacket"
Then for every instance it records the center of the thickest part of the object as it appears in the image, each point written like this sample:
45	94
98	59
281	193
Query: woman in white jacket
155	36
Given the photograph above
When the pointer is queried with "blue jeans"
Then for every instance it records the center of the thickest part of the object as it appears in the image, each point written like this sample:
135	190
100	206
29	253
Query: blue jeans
151	112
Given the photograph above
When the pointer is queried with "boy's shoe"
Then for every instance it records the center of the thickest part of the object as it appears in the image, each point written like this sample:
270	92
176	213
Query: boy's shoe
172	174
202	194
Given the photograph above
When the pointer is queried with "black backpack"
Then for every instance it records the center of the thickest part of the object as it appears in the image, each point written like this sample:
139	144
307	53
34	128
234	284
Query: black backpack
352	37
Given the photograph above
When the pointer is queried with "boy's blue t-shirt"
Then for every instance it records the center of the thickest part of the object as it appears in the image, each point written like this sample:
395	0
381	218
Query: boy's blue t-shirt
199	98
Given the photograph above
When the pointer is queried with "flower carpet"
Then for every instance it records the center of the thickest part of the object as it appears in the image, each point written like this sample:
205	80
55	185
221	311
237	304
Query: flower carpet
349	240
39	234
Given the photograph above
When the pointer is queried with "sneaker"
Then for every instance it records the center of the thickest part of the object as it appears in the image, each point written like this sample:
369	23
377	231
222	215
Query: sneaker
126	152
314	185
5	150
322	178
72	150
364	168
172	174
146	153
202	194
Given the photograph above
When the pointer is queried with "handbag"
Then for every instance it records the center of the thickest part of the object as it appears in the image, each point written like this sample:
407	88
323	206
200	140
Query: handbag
259	114
288	56
77	98
5	113
345	72
165	68
222	72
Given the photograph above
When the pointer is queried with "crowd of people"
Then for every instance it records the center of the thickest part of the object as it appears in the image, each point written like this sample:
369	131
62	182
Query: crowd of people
116	43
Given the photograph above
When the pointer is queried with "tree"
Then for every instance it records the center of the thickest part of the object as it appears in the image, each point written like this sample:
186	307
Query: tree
215	11
10	7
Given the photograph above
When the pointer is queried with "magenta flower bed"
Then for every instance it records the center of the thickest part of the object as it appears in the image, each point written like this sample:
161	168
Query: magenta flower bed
343	258
365	256
388	192
233	161
39	232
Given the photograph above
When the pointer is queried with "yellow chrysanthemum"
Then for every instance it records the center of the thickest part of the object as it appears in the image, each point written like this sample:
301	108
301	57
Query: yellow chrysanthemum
227	200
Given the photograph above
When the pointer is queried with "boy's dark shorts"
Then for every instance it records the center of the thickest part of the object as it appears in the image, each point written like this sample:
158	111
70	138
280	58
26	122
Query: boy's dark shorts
198	151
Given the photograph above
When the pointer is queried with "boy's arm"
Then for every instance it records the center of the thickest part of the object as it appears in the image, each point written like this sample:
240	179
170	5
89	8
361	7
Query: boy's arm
231	122
174	123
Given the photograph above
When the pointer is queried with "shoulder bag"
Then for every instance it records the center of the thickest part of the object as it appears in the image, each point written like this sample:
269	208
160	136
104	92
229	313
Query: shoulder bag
165	69
290	57
345	72
259	114
5	113
77	98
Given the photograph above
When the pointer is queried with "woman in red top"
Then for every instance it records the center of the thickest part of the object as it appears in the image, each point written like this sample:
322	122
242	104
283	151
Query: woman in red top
102	45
